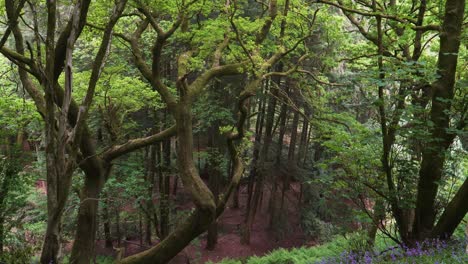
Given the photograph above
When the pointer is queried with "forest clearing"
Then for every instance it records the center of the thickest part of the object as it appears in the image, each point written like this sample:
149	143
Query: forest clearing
233	131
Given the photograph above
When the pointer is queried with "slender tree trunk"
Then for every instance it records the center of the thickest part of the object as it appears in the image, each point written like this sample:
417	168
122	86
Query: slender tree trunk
147	231
117	228
303	141
292	157
292	144
272	203
235	197
270	116
2	233
151	216
378	216
107	223
164	189
306	148
213	181
175	185
282	131
282	128
388	138
140	227
254	174
212	236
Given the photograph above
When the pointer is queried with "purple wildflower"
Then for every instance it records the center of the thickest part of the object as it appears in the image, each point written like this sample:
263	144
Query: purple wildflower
367	258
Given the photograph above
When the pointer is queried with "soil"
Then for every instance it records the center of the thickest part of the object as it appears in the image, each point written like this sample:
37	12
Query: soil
263	239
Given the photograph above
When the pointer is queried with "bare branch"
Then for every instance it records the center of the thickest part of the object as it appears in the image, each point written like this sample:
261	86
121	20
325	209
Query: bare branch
60	47
320	81
97	69
134	144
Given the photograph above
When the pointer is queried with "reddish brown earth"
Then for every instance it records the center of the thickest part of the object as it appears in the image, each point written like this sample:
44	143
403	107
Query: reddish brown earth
262	239
229	246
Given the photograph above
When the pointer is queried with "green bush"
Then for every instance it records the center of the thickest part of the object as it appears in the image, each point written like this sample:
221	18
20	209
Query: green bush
17	254
339	250
301	255
316	228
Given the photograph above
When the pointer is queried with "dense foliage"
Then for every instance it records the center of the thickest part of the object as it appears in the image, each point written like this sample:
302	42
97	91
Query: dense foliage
128	127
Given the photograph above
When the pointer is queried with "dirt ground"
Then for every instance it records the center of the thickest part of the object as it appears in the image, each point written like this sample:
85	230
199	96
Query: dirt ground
263	240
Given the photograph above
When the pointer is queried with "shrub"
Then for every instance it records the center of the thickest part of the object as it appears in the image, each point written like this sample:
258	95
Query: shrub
314	227
431	251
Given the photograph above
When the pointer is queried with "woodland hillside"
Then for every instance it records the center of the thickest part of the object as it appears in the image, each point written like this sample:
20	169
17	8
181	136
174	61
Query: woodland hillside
254	131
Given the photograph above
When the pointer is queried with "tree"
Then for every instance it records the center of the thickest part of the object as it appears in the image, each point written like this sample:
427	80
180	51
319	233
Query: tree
436	96
72	136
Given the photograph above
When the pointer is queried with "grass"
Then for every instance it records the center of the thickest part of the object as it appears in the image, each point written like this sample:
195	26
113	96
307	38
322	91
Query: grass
340	250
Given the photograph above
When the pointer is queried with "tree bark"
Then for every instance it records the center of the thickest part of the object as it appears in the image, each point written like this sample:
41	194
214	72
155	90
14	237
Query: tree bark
164	189
441	138
453	214
377	217
282	128
84	244
254	174
214	172
117	229
199	220
303	141
107	223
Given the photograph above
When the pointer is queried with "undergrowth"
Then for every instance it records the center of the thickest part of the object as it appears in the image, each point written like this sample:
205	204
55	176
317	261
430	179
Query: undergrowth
342	250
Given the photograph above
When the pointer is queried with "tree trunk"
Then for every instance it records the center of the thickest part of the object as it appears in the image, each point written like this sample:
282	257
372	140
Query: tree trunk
453	214
235	197
117	228
51	249
164	189
214	173
292	157
84	244
175	242
441	138
282	128
140	227
270	116
273	197
2	234
306	148
377	217
107	223
303	141
272	203
175	185
206	210
212	235
245	237
151	217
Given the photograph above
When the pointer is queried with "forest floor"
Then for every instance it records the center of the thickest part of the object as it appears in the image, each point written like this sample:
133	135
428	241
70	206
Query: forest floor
263	239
